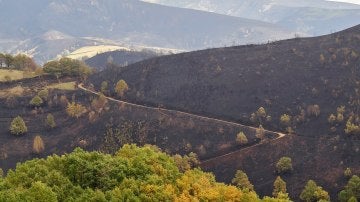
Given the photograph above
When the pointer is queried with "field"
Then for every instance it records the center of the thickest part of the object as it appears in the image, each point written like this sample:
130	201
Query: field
9	75
63	86
90	51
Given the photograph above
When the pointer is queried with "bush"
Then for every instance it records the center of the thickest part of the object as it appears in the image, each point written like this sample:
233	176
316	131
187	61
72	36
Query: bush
38	145
312	192
284	165
285	119
104	87
50	121
121	87
36	101
75	110
332	118
241	180
18	126
260	132
347	172
241	138
279	187
43	94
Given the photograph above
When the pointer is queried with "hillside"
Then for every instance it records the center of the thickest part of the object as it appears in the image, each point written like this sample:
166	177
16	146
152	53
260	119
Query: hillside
313	17
307	79
39	24
119	57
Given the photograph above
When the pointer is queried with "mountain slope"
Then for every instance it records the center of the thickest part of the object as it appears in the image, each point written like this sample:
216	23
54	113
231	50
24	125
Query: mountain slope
119	57
279	75
307	79
126	22
312	17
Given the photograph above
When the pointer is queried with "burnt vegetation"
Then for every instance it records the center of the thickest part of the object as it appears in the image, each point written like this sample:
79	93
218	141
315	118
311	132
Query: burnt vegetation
305	88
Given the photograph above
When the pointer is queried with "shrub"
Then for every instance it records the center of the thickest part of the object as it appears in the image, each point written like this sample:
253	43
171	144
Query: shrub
18	126
351	128
285	119
75	110
50	121
241	138
279	186
43	94
36	101
38	145
312	192
260	132
332	118
340	118
284	165
104	87
347	172
121	87
241	180
261	112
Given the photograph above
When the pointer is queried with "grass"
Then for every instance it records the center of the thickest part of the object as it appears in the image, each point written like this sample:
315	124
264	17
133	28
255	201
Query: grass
63	86
6	74
90	51
15	91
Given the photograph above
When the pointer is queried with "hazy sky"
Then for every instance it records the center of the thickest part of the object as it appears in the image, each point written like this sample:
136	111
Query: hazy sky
349	1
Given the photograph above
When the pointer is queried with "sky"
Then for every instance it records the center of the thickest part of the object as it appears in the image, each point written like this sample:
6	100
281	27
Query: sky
349	1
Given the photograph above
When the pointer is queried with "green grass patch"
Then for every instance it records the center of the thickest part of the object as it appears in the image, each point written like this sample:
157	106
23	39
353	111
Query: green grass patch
63	86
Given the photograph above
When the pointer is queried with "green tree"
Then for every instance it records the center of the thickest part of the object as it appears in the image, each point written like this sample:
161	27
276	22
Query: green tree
40	192
241	180
36	101
241	138
67	67
312	192
284	165
50	121
18	126
351	191
279	187
121	87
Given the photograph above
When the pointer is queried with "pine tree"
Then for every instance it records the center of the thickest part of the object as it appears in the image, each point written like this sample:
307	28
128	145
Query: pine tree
36	101
18	126
241	180
279	187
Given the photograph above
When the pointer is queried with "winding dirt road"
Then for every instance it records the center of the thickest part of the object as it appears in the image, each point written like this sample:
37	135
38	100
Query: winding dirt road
280	135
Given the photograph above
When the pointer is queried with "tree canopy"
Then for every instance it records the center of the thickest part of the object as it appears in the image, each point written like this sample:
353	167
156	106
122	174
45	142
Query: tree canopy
132	174
67	67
